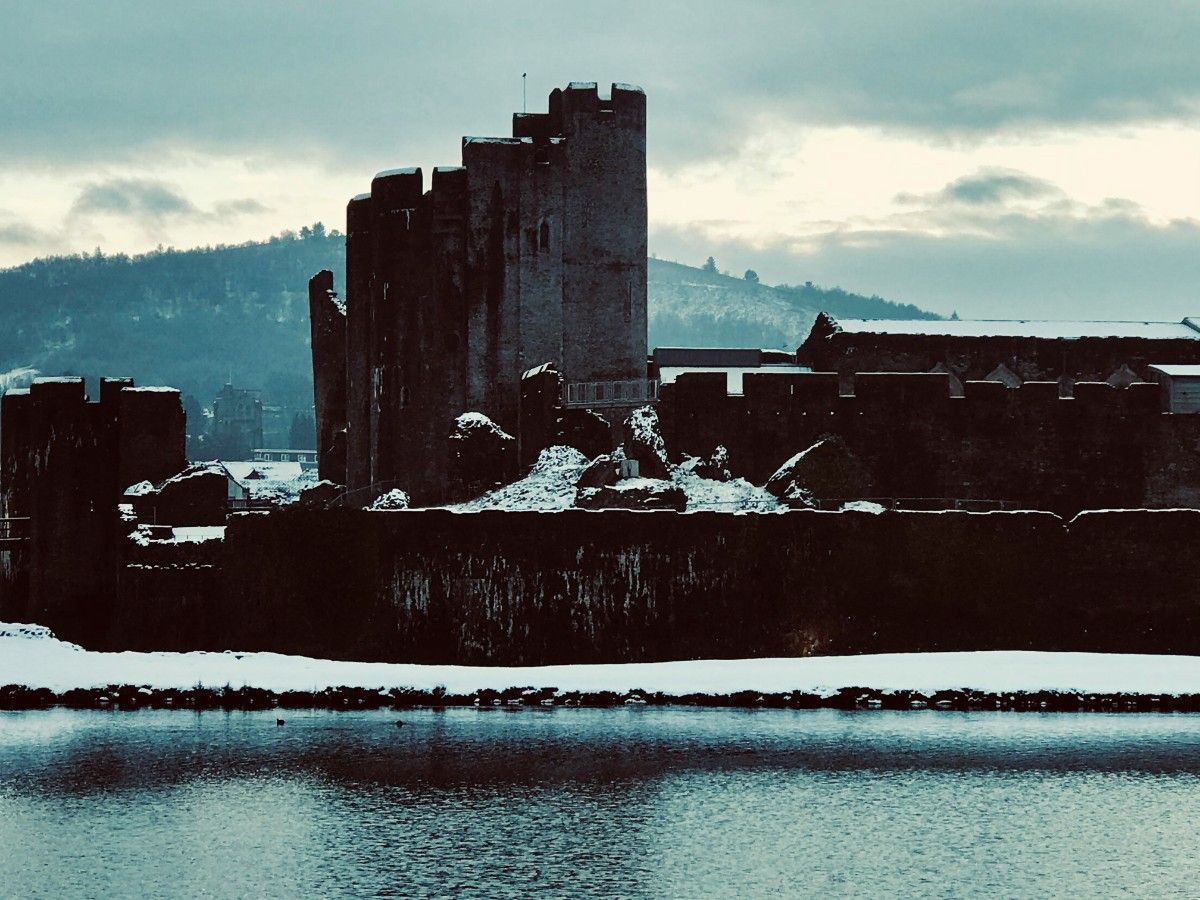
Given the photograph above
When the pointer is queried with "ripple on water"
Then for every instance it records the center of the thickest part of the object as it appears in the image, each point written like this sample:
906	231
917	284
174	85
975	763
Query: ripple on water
630	802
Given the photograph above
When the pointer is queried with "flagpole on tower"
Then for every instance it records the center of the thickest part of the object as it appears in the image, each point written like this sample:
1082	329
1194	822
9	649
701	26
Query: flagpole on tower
524	107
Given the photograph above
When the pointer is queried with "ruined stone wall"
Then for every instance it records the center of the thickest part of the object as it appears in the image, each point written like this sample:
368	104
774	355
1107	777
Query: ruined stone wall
574	586
1106	447
64	463
327	317
14	494
355	357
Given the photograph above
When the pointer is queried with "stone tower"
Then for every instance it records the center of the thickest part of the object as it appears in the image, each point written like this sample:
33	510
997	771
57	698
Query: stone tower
533	251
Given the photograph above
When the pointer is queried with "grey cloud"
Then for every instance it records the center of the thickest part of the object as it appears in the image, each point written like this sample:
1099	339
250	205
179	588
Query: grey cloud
20	234
379	82
16	232
988	187
135	198
232	208
998	186
152	203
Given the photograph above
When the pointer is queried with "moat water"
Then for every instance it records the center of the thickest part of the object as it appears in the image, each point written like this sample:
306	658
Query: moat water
647	802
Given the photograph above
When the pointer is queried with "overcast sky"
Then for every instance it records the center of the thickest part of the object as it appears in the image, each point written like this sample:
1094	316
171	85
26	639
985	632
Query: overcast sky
1000	159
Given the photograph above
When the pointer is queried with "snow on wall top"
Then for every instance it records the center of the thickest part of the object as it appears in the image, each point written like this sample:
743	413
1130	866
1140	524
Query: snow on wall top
152	389
388	173
1023	328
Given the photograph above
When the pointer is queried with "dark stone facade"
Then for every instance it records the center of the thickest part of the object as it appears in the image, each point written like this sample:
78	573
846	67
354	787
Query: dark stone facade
64	464
532	252
966	357
1027	447
581	587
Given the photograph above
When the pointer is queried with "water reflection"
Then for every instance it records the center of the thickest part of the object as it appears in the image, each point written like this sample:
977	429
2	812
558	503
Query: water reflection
644	802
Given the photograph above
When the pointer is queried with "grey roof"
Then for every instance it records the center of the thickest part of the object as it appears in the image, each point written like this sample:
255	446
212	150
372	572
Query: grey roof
1178	371
1031	328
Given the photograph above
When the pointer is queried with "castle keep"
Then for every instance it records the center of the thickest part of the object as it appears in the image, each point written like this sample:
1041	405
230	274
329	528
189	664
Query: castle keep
532	252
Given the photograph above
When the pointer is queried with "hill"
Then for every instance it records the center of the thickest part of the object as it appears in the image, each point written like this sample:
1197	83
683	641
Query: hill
690	307
196	318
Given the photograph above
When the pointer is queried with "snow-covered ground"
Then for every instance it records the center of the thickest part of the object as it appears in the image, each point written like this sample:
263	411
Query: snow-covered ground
31	656
735	495
550	485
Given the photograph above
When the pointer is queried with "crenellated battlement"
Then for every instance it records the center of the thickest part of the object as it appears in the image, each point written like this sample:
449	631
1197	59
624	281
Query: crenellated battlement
1105	447
914	390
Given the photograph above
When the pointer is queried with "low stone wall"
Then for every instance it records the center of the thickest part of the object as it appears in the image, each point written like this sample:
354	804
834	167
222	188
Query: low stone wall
577	586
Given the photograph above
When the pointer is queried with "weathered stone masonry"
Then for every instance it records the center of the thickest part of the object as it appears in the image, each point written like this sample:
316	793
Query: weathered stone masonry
578	586
1104	448
64	463
533	251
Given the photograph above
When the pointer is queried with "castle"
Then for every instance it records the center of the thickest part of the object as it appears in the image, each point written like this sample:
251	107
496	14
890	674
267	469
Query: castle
531	252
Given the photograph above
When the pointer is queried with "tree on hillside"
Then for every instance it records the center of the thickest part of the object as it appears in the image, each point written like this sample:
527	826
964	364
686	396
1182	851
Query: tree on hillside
751	276
710	266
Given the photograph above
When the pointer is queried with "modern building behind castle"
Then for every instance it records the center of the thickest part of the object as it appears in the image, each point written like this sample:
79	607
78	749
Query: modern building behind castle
532	252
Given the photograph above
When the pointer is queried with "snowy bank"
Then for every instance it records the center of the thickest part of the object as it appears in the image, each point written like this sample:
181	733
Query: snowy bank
32	657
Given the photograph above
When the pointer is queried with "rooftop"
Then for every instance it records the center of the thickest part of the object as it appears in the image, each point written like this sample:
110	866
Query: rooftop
1182	371
1026	328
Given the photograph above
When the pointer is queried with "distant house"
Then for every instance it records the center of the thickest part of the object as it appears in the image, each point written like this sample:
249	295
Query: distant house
668	363
306	458
1181	387
1011	351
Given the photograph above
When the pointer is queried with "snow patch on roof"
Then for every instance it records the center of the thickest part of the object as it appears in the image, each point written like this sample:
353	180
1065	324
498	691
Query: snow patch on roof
151	389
